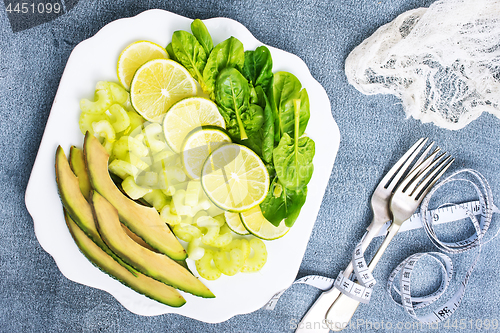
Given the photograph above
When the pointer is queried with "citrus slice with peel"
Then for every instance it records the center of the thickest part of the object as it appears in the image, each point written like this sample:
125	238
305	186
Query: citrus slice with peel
134	56
198	145
234	223
255	222
234	178
187	115
159	84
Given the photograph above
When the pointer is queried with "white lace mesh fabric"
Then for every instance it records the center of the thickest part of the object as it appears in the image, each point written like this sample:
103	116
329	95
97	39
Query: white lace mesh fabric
443	62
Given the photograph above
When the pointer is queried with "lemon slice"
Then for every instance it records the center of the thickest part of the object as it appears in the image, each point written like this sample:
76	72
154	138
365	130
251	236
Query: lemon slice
234	223
157	85
234	178
135	55
187	115
255	222
198	145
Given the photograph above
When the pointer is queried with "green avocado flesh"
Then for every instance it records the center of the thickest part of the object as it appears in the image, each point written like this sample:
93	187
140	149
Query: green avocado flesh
77	163
141	220
76	205
140	283
155	265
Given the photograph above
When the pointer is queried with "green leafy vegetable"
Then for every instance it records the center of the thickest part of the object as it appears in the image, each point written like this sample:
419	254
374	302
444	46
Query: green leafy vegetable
293	157
282	203
189	52
227	54
201	33
286	88
170	52
258	67
232	97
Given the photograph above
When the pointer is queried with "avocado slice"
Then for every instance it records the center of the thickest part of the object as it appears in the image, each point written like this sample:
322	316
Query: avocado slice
155	265
142	221
77	163
142	284
76	205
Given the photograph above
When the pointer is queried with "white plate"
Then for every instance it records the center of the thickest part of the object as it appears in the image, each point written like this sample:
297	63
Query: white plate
95	59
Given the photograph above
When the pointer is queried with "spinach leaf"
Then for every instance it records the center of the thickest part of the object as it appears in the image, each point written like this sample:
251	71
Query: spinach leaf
201	33
267	130
258	67
285	89
170	52
232	97
293	161
229	53
282	203
189	52
262	141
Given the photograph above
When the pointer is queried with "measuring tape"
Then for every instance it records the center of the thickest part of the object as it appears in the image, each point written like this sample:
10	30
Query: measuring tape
362	289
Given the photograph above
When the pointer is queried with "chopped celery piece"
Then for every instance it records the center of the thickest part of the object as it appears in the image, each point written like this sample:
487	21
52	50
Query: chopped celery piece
123	169
206	268
136	120
178	200
103	129
118	94
157	199
208	221
120	118
169	217
258	260
224	237
87	119
193	193
133	190
239	243
187	232
101	104
195	250
126	145
229	263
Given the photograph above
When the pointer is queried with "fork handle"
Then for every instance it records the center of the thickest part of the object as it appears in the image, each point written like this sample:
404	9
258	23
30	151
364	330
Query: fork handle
344	307
314	320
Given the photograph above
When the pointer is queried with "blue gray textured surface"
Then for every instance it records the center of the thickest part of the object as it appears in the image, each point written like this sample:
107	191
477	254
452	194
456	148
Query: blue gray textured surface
36	297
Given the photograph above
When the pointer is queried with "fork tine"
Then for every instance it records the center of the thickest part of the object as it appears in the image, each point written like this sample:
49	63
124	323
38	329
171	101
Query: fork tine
418	171
413	184
423	157
432	178
402	165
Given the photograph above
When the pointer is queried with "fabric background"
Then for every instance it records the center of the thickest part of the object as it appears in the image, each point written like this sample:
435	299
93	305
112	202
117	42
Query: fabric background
36	297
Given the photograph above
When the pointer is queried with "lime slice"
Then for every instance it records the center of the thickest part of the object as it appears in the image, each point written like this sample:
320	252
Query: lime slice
234	223
198	145
257	225
234	178
134	56
157	85
187	115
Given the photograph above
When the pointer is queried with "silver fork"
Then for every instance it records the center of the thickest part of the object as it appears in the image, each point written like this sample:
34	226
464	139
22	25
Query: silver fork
403	204
314	320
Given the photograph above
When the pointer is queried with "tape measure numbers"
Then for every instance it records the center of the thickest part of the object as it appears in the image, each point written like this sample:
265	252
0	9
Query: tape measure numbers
362	289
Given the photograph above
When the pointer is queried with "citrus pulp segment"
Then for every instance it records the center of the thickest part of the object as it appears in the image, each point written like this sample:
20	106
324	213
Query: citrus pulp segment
198	145
255	222
234	178
187	115
134	56
157	85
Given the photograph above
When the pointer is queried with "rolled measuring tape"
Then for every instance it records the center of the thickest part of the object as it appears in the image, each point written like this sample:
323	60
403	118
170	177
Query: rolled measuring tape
405	268
362	291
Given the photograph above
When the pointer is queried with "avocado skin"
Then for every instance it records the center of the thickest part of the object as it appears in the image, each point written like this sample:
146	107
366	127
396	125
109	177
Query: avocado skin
77	206
155	265
140	283
143	221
